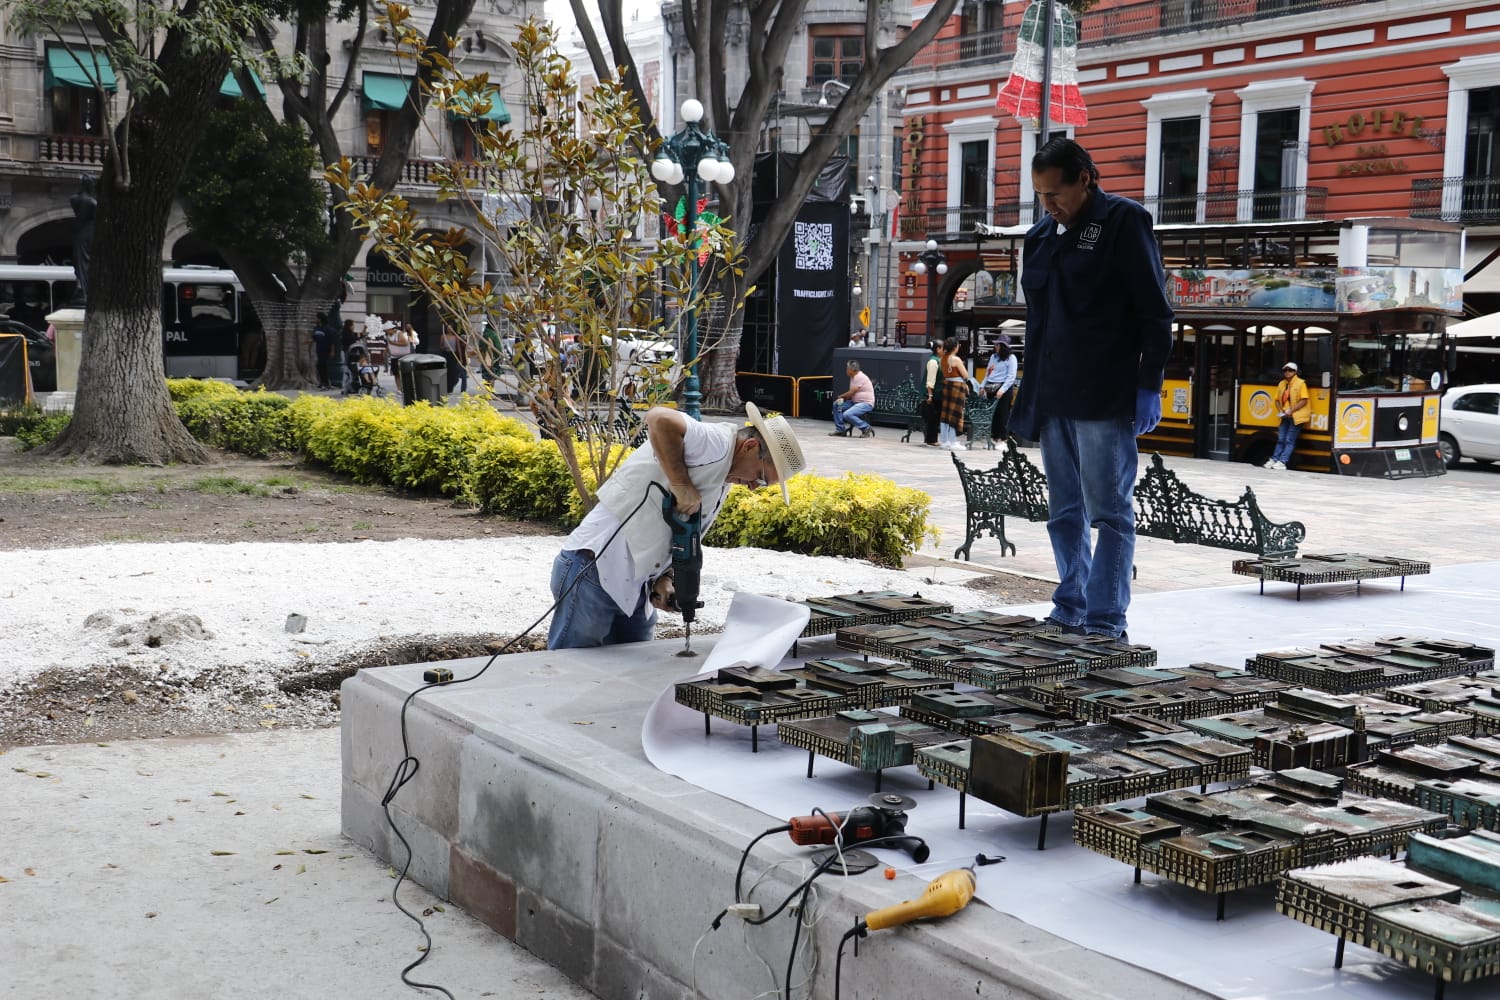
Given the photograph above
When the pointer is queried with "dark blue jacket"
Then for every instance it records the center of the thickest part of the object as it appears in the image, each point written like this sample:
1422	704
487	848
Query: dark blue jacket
1098	323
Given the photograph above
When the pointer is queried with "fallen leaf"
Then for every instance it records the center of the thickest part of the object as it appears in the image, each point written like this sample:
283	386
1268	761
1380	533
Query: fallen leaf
345	857
20	770
220	795
285	852
239	812
4	879
29	871
101	744
221	854
276	868
440	907
584	723
150	914
268	723
272	900
41	774
301	869
427	912
313	850
89	721
306	796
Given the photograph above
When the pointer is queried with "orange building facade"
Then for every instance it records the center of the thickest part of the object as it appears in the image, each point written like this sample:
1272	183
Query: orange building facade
1207	112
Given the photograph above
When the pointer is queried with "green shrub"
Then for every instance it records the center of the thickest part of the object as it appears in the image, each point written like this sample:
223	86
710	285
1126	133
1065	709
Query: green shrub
521	478
360	437
859	516
250	423
438	444
44	429
183	389
12	420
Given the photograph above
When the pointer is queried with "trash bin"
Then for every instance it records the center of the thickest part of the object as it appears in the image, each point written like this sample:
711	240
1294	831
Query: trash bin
422	376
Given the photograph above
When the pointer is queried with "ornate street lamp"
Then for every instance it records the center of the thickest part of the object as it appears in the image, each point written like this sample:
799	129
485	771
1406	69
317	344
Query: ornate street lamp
934	260
692	154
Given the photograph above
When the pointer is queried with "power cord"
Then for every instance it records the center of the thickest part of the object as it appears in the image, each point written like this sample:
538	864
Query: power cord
407	769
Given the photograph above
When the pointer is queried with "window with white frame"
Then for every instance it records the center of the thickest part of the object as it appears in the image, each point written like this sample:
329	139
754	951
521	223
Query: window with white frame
1177	155
971	172
1274	116
1471	168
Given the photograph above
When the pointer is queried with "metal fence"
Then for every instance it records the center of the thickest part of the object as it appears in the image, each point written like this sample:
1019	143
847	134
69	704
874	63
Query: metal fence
1471	200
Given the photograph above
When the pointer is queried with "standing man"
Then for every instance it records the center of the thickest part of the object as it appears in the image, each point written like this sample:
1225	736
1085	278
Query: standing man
930	370
850	406
615	570
1098	331
1295	408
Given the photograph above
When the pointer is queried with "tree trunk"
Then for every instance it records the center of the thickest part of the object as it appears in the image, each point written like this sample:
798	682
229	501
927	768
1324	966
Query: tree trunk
123	413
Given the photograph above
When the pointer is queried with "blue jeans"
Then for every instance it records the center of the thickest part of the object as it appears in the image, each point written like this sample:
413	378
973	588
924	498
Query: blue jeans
588	616
1286	440
845	413
1091	468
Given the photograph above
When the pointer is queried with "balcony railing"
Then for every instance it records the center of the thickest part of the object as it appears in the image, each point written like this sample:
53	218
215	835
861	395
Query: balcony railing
76	150
1471	200
1282	205
421	171
1150	19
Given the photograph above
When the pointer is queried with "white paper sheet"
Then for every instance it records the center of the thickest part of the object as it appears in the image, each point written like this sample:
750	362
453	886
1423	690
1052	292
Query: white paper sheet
1075	893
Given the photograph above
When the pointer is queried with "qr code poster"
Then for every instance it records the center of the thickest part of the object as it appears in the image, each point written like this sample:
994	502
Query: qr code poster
814	246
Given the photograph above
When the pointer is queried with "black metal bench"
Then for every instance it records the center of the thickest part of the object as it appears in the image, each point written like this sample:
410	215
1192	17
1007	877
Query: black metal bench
904	404
1164	508
622	426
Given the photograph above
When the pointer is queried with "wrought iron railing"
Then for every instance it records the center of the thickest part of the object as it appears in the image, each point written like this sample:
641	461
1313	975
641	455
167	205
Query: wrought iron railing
1281	205
1107	27
961	219
1471	200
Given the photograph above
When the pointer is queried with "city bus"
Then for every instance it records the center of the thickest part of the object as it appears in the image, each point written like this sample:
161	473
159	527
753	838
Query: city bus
1361	305
208	328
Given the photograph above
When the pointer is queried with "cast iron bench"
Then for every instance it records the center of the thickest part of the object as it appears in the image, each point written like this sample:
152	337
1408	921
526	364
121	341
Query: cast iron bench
1164	508
623	426
904	403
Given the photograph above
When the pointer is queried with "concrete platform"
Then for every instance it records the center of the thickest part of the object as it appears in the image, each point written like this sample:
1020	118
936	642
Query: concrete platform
536	810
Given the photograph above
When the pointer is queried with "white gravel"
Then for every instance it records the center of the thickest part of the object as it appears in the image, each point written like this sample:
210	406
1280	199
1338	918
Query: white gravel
183	609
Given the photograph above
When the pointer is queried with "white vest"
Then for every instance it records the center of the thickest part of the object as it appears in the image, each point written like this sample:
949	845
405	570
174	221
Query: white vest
646	534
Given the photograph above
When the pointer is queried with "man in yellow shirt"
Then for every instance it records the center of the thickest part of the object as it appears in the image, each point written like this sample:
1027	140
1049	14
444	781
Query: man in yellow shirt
1295	409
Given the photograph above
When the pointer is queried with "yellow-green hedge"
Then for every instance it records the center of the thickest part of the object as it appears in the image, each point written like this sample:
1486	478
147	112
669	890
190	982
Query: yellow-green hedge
473	453
859	515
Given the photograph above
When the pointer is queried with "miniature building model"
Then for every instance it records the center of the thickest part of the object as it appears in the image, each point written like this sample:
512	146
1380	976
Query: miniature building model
1438	912
1248	835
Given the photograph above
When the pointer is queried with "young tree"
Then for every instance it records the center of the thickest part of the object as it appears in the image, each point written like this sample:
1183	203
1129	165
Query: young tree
769	29
172	57
583	289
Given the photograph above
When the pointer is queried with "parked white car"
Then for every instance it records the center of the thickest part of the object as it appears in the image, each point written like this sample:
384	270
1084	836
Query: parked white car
1469	424
642	357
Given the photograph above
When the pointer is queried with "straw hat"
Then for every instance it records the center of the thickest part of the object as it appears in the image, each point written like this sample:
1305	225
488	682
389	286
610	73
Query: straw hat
786	453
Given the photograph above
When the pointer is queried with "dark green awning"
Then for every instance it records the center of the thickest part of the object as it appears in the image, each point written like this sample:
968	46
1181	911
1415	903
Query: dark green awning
497	112
231	86
385	92
65	68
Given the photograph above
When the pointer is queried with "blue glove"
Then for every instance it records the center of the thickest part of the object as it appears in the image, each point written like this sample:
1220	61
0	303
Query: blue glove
1147	411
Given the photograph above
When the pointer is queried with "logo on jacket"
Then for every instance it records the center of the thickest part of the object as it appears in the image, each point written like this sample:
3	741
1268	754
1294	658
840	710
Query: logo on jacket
1089	238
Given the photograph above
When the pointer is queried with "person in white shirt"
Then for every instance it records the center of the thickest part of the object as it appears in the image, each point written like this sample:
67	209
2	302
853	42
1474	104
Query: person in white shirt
615	571
999	379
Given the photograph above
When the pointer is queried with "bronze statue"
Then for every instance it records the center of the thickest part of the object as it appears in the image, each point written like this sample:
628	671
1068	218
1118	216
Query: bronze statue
84	203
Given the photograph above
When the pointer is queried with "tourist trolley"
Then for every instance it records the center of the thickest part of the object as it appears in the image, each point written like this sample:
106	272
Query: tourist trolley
1361	305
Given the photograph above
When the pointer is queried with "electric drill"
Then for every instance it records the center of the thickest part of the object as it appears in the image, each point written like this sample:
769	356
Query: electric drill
883	820
687	565
944	895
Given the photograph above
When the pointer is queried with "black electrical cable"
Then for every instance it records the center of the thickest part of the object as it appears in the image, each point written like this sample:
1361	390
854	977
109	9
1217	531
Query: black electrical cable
857	931
407	769
823	866
739	873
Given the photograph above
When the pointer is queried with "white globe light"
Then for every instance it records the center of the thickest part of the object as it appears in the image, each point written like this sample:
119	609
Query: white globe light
692	110
708	168
676	177
858	291
595	203
726	171
942	269
661	169
932	244
919	268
